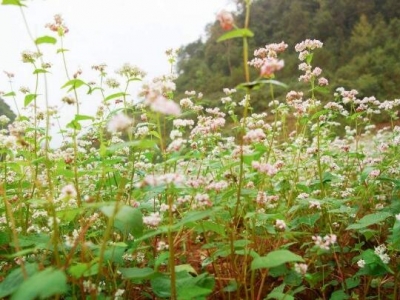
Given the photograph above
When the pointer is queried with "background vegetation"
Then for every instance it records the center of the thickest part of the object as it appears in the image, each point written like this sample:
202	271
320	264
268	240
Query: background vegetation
6	110
160	200
360	46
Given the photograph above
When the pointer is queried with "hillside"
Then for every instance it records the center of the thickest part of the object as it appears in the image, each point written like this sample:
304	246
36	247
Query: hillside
360	46
6	110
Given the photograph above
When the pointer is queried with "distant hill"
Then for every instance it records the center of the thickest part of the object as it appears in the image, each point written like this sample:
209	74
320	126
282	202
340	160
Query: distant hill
6	110
361	46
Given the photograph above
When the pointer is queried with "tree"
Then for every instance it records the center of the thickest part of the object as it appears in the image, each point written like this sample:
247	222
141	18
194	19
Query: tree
6	110
360	47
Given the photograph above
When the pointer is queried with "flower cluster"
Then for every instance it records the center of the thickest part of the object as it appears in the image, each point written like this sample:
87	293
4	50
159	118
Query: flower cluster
266	59
119	123
381	252
58	26
326	242
156	96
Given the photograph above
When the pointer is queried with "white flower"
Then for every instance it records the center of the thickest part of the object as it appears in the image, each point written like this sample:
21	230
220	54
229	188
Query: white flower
118	294
314	203
119	123
301	268
361	263
4	120
325	242
161	245
153	219
380	251
68	191
280	224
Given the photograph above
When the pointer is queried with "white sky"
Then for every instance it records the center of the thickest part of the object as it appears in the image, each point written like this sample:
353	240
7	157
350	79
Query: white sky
101	31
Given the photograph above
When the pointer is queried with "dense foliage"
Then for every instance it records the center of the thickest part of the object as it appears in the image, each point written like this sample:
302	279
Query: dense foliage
159	197
360	38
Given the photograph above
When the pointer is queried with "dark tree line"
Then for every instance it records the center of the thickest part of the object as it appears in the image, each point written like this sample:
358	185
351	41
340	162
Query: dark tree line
6	110
361	46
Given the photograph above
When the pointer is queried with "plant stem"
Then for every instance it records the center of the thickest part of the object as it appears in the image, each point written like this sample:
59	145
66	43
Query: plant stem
171	248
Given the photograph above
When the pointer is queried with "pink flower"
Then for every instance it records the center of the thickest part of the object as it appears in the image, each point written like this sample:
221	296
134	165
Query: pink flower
155	97
264	168
153	219
256	135
270	66
58	26
68	191
225	19
374	173
165	106
119	122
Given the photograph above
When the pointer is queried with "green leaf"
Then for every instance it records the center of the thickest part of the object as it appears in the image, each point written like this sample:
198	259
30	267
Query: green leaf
114	253
127	219
12	282
39	240
365	173
74	125
29	98
279	296
188	286
68	214
339	295
308	219
10	94
137	273
45	40
141	144
40	71
84	270
74	84
352	282
4	238
278	293
186	267
274	259
156	134
319	114
116	95
194	216
12	2
255	85
309	58
237	33
161	259
370	219
61	50
44	284
83	118
211	226
188	292
231	287
322	89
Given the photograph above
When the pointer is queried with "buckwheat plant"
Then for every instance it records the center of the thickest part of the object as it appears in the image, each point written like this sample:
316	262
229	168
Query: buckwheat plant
158	197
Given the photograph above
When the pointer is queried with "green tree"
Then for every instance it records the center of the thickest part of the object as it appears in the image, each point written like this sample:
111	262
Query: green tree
6	110
360	47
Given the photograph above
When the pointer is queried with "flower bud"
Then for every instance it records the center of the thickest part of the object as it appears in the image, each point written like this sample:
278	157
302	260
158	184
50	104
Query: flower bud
225	18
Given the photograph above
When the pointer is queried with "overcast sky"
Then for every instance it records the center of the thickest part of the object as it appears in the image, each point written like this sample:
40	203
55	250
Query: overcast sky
115	31
101	31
